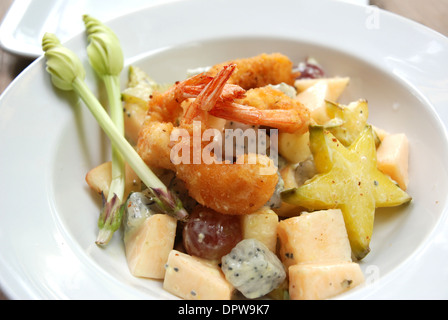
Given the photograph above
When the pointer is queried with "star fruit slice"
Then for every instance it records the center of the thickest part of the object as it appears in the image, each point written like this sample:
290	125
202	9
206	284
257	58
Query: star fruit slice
353	117
348	179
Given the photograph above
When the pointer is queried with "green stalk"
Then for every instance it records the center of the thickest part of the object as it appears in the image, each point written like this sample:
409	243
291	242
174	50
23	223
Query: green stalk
166	201
116	114
118	140
106	58
67	73
109	222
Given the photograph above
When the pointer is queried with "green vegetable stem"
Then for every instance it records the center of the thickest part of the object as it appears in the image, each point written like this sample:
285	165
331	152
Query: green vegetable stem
67	73
106	58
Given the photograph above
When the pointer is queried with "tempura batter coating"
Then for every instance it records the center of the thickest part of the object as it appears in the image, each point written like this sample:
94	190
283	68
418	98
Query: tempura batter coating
259	71
230	188
269	98
154	144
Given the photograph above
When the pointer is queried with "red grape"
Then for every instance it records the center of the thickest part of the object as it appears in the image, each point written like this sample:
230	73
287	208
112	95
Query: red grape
211	235
310	70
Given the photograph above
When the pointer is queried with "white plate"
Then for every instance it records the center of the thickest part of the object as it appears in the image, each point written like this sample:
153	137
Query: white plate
49	141
27	20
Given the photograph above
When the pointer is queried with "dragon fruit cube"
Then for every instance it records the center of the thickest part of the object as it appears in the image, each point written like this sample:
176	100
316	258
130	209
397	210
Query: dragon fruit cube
253	269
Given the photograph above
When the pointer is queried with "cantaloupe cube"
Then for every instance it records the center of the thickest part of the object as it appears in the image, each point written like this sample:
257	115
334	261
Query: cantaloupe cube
313	99
393	158
262	226
314	237
323	281
192	278
336	86
148	247
100	177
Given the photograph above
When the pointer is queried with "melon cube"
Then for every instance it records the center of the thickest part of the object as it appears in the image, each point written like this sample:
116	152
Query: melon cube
336	86
191	278
100	177
313	99
262	226
147	248
393	158
323	281
314	237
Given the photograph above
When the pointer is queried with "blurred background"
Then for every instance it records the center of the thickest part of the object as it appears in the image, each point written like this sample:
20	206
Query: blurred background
431	13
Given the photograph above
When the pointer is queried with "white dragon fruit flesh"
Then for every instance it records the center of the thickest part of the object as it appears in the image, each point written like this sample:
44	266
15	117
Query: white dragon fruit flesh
253	269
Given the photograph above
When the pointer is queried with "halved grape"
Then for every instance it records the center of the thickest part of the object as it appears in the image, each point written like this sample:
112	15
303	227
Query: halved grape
211	235
310	69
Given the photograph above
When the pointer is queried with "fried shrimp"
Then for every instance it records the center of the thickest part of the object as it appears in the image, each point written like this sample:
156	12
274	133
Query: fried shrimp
264	106
269	107
259	71
231	188
166	111
228	188
154	144
215	91
167	106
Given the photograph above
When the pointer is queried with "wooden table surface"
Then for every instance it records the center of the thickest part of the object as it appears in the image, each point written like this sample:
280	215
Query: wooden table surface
431	13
